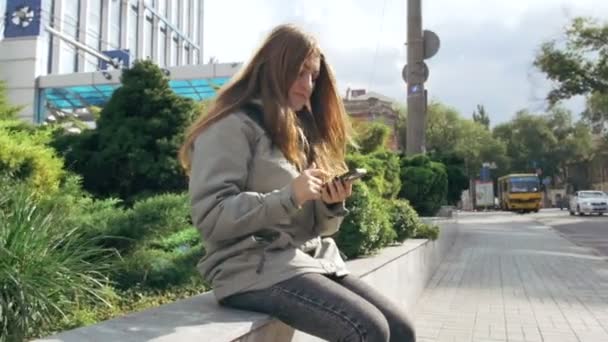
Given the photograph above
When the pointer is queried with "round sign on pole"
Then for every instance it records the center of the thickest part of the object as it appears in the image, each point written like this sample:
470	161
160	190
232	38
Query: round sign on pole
431	43
424	69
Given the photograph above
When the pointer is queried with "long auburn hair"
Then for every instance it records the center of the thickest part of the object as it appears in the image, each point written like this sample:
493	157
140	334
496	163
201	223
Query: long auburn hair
268	77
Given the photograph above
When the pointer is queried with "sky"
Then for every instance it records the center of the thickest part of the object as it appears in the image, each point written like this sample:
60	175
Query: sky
486	54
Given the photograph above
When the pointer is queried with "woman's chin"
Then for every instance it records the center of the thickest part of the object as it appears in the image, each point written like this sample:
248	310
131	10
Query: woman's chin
297	107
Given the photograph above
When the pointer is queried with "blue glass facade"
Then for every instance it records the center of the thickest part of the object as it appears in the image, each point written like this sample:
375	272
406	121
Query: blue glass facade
69	98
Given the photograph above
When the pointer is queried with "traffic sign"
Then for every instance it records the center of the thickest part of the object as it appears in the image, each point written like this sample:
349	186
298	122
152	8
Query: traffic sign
424	72
431	43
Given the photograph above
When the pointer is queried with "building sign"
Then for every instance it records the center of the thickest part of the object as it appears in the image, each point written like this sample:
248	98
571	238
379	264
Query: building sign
22	18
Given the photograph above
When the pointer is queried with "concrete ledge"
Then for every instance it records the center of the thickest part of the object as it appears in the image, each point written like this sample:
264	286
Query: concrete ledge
400	272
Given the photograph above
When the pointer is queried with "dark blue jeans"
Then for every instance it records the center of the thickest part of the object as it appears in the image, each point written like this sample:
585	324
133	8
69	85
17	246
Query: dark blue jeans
332	308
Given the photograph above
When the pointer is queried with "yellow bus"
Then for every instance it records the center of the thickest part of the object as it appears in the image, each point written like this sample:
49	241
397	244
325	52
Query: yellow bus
519	192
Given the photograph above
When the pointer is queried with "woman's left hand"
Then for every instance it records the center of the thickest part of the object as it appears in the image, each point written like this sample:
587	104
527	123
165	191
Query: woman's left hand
336	191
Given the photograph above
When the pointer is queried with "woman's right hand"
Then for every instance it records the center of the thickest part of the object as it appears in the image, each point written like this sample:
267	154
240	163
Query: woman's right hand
308	185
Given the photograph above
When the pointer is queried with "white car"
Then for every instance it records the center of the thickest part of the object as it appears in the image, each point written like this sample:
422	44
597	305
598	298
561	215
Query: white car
589	202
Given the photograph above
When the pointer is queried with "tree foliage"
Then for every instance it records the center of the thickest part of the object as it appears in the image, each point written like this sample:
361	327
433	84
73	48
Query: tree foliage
371	137
546	141
579	66
596	113
481	116
449	133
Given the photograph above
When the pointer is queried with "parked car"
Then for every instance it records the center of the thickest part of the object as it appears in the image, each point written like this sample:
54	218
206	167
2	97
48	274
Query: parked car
589	202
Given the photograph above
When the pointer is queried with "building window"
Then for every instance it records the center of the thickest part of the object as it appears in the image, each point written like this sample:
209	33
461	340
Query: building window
162	45
186	20
93	36
115	24
71	23
174	50
133	30
195	22
162	8
174	14
148	35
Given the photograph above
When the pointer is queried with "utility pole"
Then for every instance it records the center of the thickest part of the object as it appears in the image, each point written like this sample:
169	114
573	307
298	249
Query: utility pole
416	99
421	45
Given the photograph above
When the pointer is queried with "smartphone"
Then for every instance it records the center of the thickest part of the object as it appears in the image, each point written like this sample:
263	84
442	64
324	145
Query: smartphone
352	175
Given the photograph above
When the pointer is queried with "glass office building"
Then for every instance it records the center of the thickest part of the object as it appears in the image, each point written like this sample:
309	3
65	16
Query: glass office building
67	54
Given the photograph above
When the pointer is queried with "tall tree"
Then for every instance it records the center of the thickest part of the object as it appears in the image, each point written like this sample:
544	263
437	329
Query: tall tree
477	146
596	113
449	133
580	65
372	137
530	141
574	139
442	128
480	116
548	141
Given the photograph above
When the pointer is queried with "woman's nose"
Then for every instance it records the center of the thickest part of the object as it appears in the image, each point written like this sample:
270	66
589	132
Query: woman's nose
308	83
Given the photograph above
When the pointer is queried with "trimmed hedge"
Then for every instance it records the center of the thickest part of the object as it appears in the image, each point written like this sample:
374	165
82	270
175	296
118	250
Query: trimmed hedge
403	219
367	227
383	169
424	184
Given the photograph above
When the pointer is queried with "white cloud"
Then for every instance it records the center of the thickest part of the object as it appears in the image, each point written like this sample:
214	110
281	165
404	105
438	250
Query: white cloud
486	54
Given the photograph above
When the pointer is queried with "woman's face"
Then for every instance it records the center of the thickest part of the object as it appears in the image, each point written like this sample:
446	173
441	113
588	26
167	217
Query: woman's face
302	87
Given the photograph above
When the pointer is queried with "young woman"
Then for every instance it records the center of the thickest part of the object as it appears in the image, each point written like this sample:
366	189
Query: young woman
262	166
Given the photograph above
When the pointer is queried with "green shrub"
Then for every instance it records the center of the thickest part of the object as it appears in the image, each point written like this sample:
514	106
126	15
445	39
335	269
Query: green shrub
457	177
371	137
45	270
367	227
134	147
403	218
389	172
383	169
159	245
427	231
24	156
75	208
152	218
180	239
153	268
424	184
16	125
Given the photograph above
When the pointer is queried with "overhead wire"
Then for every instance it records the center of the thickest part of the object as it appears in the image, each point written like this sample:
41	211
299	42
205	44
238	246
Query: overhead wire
378	39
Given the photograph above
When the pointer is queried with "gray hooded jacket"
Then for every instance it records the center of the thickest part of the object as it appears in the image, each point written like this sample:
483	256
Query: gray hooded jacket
253	233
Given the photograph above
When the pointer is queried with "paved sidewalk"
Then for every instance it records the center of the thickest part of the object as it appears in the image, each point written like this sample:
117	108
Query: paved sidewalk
508	278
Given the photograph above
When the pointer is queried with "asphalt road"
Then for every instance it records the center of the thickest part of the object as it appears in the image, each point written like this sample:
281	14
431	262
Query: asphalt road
586	231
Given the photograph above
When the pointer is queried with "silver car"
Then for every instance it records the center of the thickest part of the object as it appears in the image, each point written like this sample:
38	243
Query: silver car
589	202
